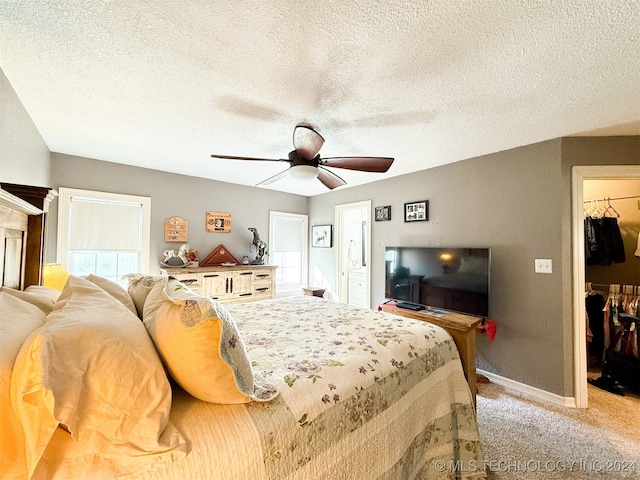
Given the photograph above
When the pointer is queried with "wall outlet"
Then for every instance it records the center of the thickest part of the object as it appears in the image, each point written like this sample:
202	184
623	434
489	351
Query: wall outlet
543	265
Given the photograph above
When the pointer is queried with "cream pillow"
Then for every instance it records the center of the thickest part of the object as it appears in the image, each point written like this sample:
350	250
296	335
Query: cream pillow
93	369
47	292
139	288
18	319
114	289
43	301
201	346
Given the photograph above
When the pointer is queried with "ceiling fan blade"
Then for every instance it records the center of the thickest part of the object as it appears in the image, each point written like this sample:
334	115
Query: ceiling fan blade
232	157
363	164
307	141
270	180
330	179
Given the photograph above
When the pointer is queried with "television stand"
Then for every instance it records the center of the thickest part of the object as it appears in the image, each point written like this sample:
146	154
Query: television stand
462	329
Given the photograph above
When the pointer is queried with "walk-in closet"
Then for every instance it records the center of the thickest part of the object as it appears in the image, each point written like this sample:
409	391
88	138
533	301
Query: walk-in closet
612	283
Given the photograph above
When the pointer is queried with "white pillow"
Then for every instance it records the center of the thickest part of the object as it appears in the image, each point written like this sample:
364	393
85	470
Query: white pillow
114	289
93	369
18	319
201	346
47	292
43	301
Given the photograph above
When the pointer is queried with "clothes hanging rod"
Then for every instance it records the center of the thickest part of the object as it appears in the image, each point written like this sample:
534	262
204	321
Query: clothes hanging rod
609	199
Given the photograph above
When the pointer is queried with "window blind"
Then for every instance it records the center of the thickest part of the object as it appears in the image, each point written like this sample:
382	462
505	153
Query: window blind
104	225
287	237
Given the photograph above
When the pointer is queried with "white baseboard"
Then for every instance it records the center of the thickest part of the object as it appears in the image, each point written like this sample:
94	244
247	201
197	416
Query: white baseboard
537	393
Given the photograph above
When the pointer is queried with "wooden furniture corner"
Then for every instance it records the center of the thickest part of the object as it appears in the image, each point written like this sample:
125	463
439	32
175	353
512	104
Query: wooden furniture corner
314	291
35	208
462	329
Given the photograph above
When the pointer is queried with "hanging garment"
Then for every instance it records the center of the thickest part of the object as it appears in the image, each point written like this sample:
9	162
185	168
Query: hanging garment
603	241
594	305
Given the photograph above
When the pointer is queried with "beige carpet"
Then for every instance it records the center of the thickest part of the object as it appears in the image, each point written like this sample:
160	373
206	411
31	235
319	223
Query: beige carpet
526	439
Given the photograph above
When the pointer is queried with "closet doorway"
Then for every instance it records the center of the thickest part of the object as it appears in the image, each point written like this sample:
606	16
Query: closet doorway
581	175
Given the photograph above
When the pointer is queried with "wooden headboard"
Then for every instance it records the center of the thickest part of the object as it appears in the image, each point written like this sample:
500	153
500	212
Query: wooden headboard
22	223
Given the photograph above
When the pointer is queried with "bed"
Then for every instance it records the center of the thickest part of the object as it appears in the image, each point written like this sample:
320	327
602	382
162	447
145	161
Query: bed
293	388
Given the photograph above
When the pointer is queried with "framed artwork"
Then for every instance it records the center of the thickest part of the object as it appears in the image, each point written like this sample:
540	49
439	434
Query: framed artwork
218	222
416	211
383	213
321	236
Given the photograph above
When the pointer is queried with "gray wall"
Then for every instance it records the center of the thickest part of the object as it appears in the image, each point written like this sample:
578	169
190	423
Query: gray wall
24	156
517	202
505	201
177	195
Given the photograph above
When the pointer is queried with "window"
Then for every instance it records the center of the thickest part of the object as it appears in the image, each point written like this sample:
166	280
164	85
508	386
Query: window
288	249
106	234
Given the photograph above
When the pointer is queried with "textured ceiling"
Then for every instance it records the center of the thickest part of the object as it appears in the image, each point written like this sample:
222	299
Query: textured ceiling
163	84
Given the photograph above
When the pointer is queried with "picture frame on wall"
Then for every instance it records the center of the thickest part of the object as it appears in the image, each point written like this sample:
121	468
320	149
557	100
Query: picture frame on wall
321	236
219	222
416	211
383	213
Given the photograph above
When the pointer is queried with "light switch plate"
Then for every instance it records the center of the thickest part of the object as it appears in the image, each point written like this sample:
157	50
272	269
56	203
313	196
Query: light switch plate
543	265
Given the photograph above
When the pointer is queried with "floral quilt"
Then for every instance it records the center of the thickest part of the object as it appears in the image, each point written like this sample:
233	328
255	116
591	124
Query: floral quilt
364	394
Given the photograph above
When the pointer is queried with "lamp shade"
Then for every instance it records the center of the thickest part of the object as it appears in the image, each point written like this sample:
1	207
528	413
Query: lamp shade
304	172
54	276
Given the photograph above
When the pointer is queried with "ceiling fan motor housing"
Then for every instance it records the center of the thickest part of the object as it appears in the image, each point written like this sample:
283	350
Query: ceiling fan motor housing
296	159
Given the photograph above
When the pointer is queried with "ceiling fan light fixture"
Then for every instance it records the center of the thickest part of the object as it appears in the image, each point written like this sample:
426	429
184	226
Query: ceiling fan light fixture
303	172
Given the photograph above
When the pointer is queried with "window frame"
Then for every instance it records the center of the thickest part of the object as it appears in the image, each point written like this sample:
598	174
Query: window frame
296	289
64	208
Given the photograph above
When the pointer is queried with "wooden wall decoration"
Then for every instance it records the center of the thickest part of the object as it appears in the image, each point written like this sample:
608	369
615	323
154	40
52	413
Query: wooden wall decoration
219	256
176	229
218	222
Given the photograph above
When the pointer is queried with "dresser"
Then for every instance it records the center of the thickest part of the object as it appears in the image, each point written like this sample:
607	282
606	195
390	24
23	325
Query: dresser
236	284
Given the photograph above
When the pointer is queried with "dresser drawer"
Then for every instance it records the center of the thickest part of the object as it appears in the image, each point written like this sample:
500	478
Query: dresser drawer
262	276
262	291
193	281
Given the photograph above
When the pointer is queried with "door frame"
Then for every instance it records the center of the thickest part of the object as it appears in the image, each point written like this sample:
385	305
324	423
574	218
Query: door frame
341	279
579	174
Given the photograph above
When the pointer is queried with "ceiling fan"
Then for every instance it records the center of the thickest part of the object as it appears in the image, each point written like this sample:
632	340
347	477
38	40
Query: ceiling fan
306	164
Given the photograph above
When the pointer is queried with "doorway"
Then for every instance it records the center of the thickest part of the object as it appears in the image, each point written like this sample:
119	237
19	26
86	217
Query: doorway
353	252
579	175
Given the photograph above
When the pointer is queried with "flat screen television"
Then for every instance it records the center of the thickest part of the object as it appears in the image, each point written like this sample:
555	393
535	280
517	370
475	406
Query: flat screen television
455	279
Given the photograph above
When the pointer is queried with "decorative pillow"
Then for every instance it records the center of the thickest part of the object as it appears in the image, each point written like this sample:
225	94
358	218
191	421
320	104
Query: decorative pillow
18	319
139	288
35	297
201	346
93	370
114	289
